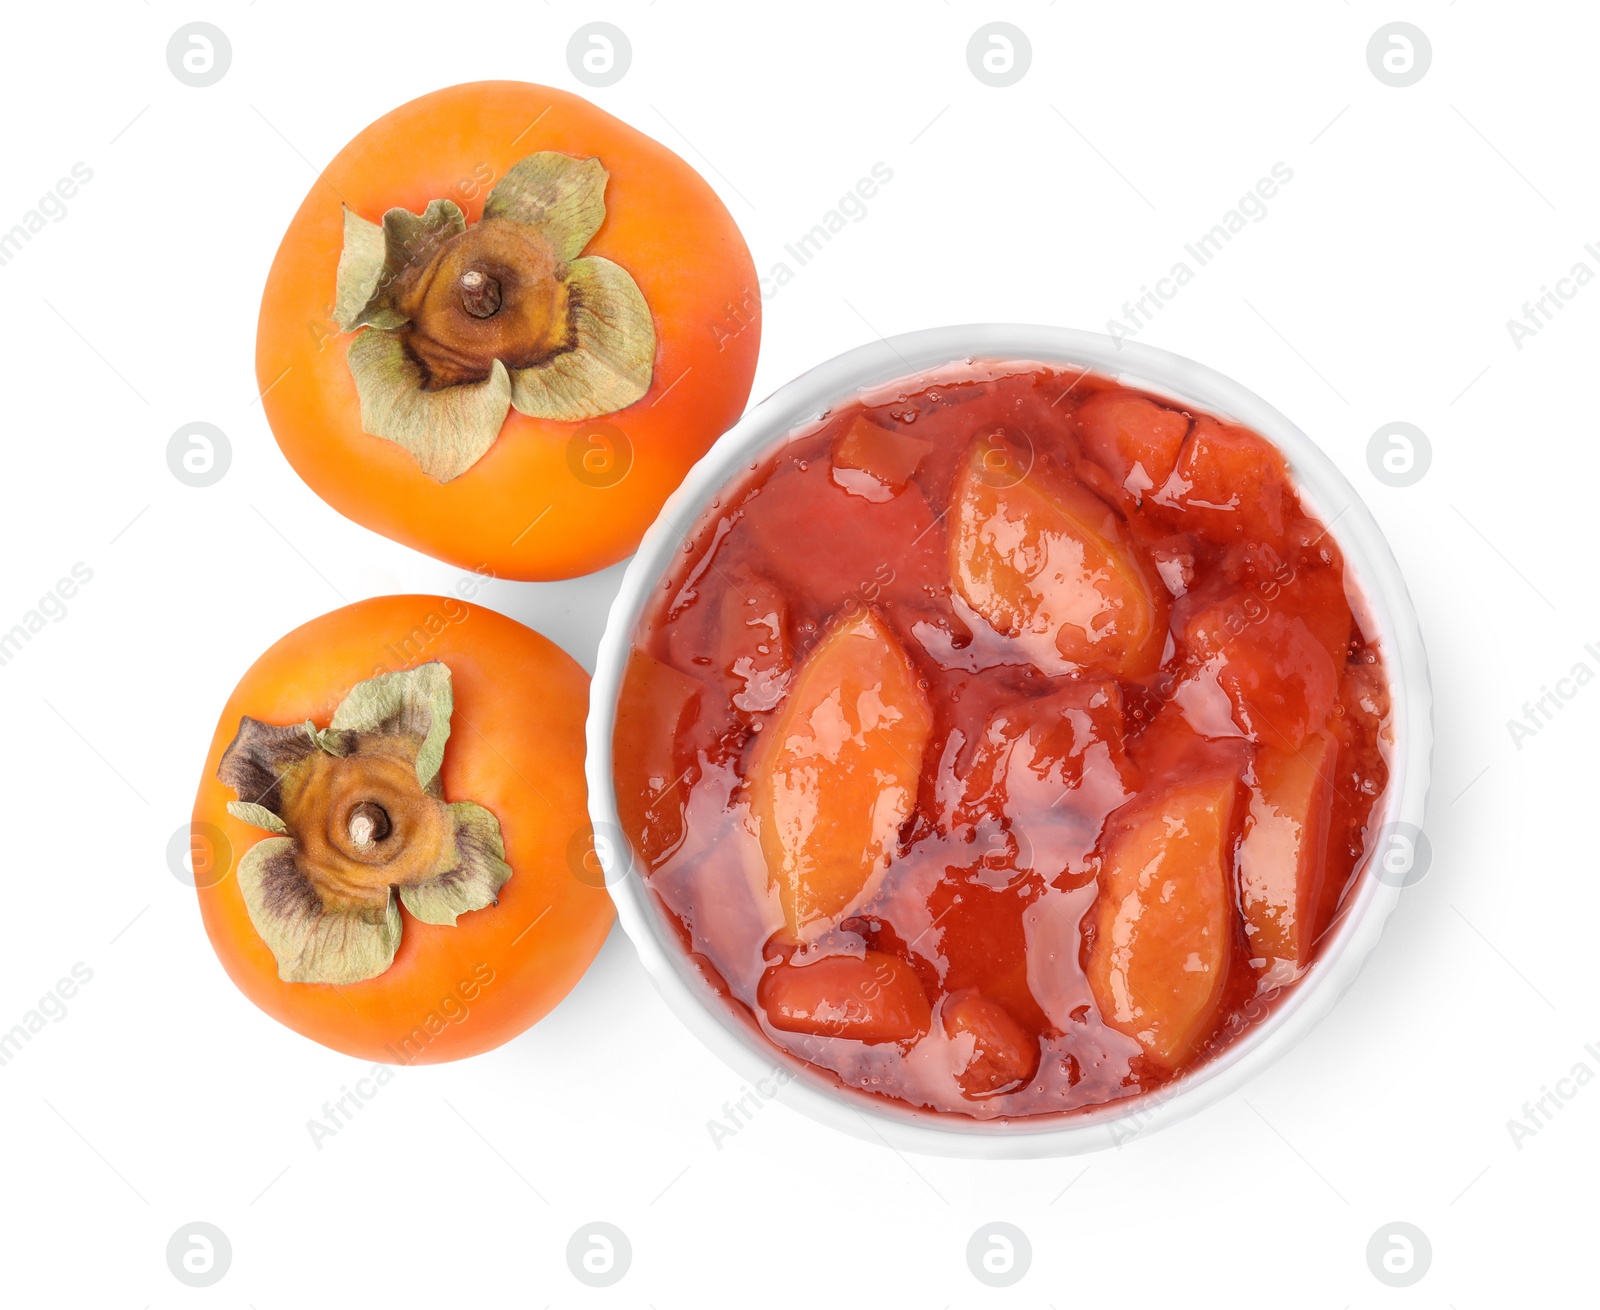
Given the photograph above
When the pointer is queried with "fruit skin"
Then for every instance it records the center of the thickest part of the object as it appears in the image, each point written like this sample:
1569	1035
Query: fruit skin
1164	918
516	747
663	224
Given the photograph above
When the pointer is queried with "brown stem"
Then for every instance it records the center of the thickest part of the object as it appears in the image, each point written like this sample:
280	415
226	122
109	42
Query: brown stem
480	294
368	823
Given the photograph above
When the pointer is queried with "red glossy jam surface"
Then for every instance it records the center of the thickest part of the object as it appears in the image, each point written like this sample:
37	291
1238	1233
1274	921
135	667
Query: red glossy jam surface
1005	744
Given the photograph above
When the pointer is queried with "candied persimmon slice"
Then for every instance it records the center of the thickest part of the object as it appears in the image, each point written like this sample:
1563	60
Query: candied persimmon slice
737	639
1317	595
1034	750
835	773
818	540
1275	668
873	998
888	459
753	632
1163	918
1047	563
1049	770
975	935
1131	437
653	709
1229	483
1001	1058
1282	851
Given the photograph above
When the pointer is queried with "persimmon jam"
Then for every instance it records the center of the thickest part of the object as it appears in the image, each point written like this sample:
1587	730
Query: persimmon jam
1006	743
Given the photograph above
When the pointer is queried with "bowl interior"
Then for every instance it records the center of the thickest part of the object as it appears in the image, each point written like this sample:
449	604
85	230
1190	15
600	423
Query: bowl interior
1383	606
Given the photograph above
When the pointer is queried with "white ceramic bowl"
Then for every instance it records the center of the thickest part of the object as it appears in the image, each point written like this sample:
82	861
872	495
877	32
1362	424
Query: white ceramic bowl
1387	615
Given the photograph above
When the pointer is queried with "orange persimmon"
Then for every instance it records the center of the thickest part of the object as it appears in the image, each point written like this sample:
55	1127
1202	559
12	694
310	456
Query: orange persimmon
536	497
477	776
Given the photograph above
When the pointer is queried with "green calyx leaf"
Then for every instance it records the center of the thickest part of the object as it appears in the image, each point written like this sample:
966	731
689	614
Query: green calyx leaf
360	269
478	871
256	761
312	942
327	739
447	431
603	363
612	358
321	925
562	196
375	260
259	815
414	703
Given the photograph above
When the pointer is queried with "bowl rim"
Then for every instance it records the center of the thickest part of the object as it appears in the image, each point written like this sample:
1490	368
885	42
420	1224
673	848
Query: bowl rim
1385	609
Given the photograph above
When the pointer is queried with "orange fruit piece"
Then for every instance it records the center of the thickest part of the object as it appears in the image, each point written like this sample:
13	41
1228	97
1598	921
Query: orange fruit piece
1163	919
1047	563
873	998
1277	673
1136	440
1229	483
1003	1056
654	708
888	458
835	774
1283	848
754	639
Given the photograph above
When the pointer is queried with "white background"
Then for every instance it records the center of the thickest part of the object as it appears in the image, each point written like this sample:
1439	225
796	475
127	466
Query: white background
1376	289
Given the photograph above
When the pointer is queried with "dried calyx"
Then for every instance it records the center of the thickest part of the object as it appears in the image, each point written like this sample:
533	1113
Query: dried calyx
463	323
362	821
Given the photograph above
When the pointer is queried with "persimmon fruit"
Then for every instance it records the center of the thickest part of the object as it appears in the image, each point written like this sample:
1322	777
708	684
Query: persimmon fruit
401	785
502	326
